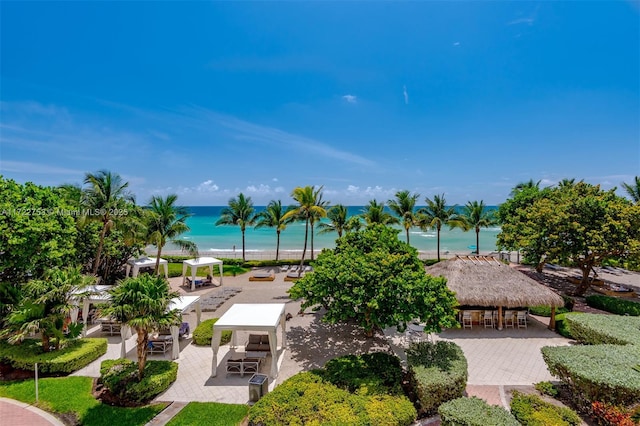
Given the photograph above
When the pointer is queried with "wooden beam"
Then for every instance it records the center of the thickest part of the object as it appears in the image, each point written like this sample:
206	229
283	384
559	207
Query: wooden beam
552	321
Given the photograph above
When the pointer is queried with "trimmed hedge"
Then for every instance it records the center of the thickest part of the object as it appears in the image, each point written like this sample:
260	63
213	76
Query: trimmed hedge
474	412
120	376
595	329
545	311
438	373
204	332
375	373
531	410
597	373
76	354
308	399
614	305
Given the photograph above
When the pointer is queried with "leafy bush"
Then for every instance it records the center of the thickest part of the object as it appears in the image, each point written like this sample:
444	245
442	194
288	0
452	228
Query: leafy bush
545	311
76	354
547	388
614	305
474	412
373	373
438	373
120	376
562	327
610	415
307	398
204	332
597	329
531	410
596	373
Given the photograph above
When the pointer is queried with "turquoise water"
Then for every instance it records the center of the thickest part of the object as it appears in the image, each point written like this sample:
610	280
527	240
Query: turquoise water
209	237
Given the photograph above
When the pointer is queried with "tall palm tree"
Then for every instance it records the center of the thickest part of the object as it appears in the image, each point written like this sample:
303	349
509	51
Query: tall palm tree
337	216
273	217
107	194
403	206
374	213
317	215
633	190
307	199
165	222
474	216
436	214
143	304
240	212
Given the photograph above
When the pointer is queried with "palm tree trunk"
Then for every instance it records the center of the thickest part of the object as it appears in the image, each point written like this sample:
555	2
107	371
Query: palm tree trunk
438	238
96	261
243	258
277	243
312	223
304	249
407	232
477	240
158	259
46	342
143	341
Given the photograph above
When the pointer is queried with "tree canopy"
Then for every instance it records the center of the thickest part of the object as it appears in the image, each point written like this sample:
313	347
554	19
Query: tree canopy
377	280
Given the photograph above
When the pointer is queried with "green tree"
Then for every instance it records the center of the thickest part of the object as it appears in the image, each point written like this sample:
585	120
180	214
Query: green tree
374	212
307	199
475	216
403	206
337	216
436	214
633	190
165	222
142	303
530	184
317	214
240	212
45	306
273	217
378	281
104	198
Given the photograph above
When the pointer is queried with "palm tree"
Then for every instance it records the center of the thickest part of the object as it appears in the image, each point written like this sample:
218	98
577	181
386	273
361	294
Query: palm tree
633	190
525	185
317	215
307	199
337	216
374	213
107	194
142	303
403	206
165	222
474	216
239	212
436	214
273	217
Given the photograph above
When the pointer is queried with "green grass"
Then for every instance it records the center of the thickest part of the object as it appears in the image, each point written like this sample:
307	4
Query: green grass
73	395
175	270
210	414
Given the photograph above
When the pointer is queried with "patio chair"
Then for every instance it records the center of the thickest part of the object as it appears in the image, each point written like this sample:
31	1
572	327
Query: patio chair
509	319
467	320
251	365
488	319
234	366
522	319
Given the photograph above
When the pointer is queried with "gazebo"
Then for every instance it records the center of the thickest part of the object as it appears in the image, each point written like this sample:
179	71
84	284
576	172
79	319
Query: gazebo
251	317
183	304
485	281
134	265
198	263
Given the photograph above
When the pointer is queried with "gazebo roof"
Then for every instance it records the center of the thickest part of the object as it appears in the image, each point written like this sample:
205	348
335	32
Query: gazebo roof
252	316
484	281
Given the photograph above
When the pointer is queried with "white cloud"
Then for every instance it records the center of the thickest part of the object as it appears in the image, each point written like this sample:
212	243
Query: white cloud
36	168
405	94
457	43
528	21
352	99
275	179
207	186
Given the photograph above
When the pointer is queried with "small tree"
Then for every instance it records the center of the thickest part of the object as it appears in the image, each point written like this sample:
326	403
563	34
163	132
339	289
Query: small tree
377	280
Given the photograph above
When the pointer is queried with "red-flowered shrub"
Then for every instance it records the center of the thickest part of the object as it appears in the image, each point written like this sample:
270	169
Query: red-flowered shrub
610	415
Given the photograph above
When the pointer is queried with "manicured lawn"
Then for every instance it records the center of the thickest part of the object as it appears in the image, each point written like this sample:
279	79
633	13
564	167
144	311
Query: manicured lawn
210	414
73	395
175	270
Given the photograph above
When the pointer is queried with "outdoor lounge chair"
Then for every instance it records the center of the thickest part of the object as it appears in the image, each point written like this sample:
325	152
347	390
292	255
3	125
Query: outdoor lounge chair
258	343
111	327
263	276
293	276
160	344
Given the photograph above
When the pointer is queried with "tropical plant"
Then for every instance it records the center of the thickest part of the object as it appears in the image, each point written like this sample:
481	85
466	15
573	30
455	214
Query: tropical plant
273	217
403	206
142	303
475	216
239	212
633	190
436	214
523	186
165	222
337	216
374	213
354	223
307	198
318	213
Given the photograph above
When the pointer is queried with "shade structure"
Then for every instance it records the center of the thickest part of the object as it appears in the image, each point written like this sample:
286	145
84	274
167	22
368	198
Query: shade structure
182	304
251	317
84	298
134	265
200	262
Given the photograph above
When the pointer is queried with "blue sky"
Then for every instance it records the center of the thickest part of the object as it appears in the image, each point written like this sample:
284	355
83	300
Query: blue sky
209	99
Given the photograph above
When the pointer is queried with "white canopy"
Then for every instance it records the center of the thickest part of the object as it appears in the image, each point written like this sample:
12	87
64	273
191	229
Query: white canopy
134	265
198	263
182	304
251	317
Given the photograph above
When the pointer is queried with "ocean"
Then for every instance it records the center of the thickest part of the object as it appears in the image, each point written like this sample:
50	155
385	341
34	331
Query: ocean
227	240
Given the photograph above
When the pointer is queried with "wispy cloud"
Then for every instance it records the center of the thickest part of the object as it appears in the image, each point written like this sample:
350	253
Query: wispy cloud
456	43
352	99
405	94
36	168
526	20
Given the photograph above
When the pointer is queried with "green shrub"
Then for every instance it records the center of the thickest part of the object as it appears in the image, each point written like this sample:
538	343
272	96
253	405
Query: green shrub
545	311
562	327
531	410
547	388
120	376
614	305
204	332
597	373
372	373
438	373
75	354
474	412
594	329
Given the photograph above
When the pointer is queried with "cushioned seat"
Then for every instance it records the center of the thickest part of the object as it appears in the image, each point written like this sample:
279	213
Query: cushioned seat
258	343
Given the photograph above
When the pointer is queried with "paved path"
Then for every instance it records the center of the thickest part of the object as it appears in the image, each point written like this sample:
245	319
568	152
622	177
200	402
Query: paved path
16	413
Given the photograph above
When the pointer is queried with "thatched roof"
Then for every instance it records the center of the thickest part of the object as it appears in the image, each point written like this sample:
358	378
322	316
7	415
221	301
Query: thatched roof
484	281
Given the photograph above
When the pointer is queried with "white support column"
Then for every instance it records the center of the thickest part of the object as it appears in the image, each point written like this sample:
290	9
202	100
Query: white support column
85	313
221	272
175	344
215	345
198	312
273	347
166	270
123	343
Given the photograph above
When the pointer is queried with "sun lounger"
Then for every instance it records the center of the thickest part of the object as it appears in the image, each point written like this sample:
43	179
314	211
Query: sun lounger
293	276
263	276
160	344
284	268
258	343
111	327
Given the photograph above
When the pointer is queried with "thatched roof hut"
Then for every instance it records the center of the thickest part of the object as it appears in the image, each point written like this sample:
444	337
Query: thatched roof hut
484	281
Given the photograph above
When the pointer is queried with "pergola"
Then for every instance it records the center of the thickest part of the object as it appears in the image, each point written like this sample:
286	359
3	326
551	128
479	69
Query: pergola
183	304
251	317
198	263
134	265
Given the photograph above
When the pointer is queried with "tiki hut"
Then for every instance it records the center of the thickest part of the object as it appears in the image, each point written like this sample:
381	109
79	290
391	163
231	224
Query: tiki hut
485	281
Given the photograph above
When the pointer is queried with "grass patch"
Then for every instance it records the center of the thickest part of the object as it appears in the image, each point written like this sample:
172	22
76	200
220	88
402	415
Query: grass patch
210	414
204	332
65	395
175	270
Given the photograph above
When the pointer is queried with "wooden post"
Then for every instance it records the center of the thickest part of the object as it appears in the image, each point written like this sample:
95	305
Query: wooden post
552	321
499	317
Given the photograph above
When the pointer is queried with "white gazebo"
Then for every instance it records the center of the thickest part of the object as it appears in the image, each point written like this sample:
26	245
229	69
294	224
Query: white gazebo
134	265
251	317
198	263
182	304
86	296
